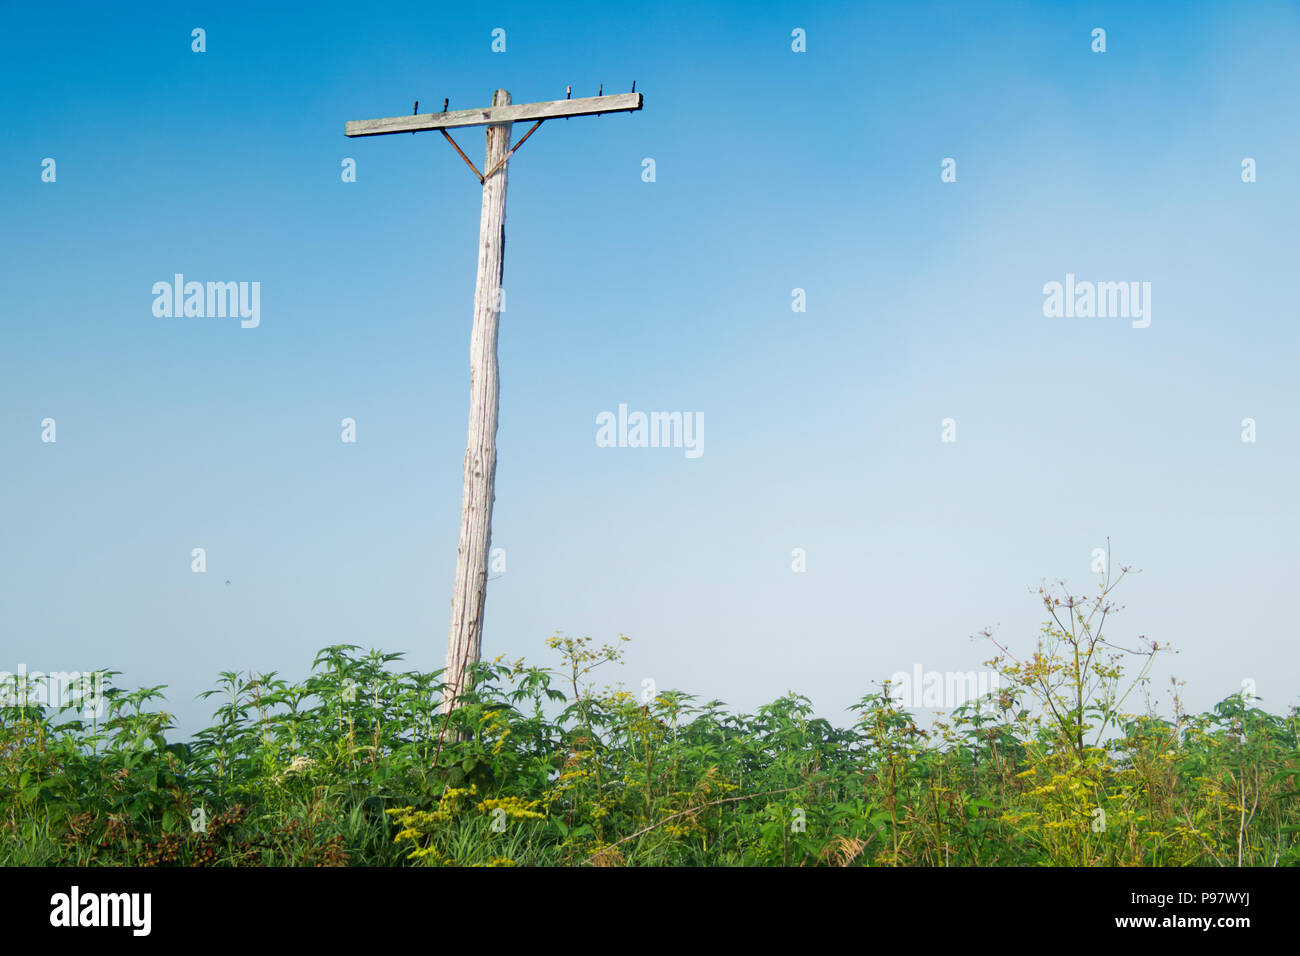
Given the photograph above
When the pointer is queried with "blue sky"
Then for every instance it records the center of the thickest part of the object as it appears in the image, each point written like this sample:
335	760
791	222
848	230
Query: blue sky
775	170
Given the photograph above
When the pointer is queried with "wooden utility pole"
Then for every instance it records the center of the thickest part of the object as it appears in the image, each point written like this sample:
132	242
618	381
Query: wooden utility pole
465	637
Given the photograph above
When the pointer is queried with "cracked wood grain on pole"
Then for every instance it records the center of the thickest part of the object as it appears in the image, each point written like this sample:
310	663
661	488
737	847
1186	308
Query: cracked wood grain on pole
465	635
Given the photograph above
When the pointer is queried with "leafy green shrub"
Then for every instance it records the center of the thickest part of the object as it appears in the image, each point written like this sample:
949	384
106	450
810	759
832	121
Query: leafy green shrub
356	765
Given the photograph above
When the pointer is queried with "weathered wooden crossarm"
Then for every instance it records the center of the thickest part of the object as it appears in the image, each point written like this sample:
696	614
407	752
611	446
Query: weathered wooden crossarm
491	115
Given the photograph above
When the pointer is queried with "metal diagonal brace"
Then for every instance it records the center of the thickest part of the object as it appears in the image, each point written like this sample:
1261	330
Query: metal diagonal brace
506	157
468	162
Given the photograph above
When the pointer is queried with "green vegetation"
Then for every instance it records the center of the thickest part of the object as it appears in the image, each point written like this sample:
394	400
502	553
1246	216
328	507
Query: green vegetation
357	766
